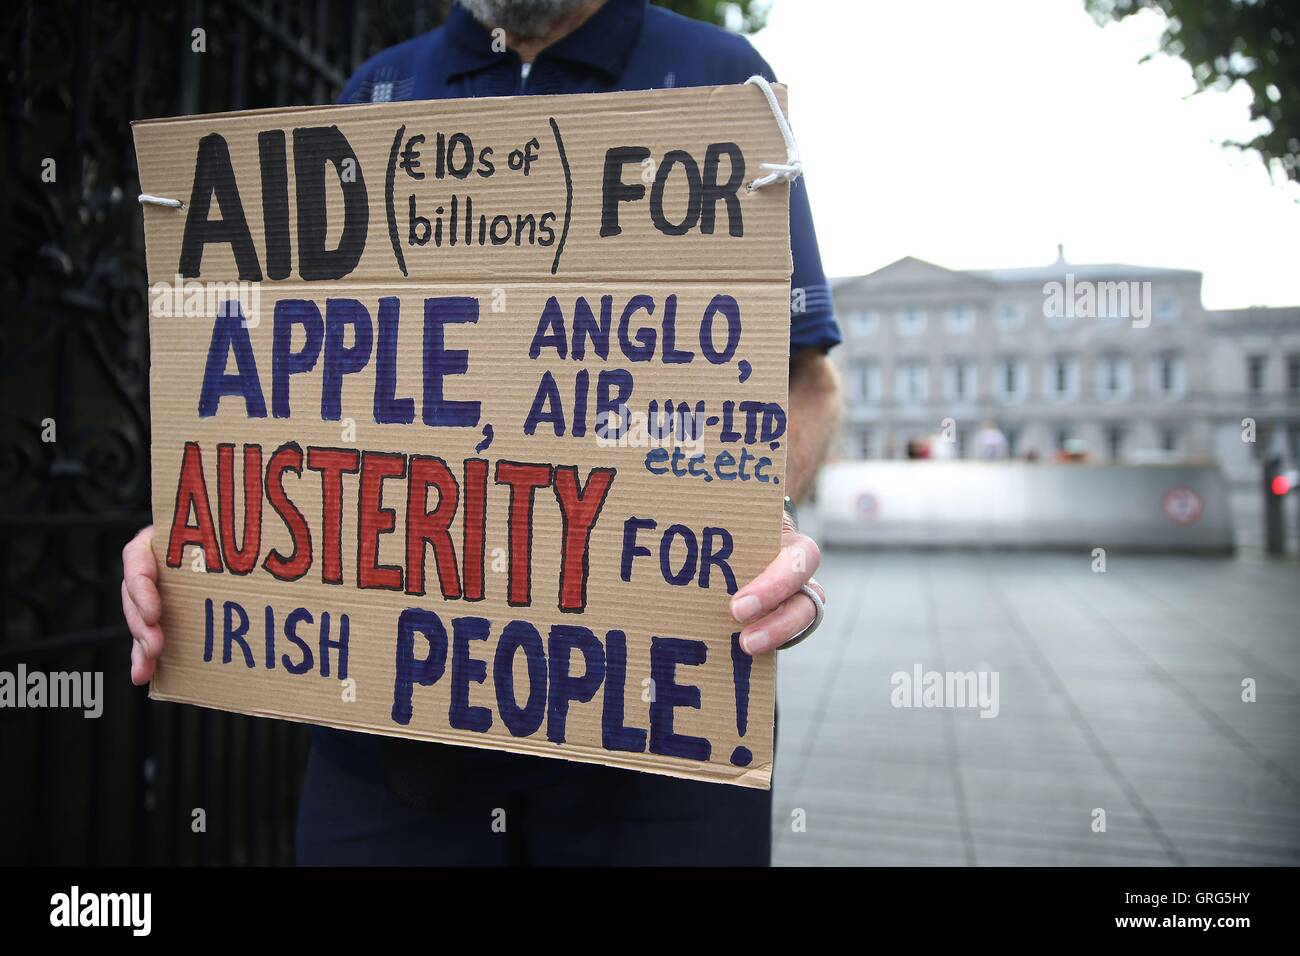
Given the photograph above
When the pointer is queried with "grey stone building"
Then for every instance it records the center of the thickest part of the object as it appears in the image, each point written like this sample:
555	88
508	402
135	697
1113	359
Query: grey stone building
1120	362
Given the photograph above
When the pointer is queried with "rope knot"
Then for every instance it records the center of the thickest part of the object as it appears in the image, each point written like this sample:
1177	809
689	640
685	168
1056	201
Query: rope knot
792	168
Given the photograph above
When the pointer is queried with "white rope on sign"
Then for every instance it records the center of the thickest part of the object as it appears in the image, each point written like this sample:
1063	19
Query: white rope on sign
791	168
160	201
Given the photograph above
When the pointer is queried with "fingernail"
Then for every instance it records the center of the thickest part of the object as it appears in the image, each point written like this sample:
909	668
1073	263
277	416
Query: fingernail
744	608
755	643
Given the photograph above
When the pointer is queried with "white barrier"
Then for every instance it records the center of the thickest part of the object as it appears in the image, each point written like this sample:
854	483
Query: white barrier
1023	504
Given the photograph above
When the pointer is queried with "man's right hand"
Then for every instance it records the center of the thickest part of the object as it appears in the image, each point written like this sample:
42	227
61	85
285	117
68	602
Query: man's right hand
142	605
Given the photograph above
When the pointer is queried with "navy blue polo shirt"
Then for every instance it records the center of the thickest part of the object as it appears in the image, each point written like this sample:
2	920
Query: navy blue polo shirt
625	45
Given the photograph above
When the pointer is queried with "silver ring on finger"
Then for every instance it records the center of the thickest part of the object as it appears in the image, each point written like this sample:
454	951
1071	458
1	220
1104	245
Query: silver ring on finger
819	612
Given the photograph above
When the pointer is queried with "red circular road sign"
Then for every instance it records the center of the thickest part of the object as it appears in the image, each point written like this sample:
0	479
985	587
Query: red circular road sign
1182	506
867	506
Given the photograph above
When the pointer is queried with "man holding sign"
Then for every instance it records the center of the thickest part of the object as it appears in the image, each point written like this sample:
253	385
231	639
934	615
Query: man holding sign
605	555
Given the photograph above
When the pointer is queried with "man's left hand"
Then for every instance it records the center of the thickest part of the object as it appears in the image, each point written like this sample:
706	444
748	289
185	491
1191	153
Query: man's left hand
773	607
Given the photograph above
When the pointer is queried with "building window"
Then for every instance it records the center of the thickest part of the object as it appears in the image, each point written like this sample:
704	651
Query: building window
864	383
1115	442
1063	436
1010	317
1062	379
1114	377
853	382
1013	441
1010	379
1169	438
1255	373
864	321
871	383
1168	376
960	319
911	383
959	381
910	321
866	445
1261	447
1058	313
1168	309
1293	373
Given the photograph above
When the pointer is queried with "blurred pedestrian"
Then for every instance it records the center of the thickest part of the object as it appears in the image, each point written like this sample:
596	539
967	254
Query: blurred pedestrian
990	442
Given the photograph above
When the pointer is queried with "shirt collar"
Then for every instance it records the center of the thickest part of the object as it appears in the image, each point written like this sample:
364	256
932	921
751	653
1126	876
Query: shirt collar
603	42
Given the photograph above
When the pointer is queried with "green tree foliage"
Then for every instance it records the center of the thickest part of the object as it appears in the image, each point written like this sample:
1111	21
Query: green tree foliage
1230	41
743	16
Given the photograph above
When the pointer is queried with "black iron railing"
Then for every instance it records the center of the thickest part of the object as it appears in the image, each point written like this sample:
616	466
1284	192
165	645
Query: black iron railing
74	432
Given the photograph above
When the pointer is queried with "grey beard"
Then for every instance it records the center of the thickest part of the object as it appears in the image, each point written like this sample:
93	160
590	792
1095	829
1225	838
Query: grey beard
521	19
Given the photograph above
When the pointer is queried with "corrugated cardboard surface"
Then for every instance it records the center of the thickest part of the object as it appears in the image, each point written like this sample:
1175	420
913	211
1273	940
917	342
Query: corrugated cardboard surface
512	284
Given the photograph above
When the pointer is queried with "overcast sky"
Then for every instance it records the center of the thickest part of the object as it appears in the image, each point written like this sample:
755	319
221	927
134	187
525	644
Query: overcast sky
979	135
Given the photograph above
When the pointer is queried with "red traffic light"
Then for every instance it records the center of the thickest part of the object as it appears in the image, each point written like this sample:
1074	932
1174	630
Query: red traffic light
1280	485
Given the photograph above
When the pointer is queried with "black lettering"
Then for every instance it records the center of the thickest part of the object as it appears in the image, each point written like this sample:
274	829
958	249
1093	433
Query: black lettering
614	190
275	202
712	191
215	176
672	158
313	147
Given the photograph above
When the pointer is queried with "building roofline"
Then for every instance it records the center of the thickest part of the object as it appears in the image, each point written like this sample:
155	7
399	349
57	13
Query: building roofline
1256	311
841	282
1091	271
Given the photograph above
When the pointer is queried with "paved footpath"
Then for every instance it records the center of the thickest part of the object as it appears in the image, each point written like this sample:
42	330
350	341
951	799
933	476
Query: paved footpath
1119	691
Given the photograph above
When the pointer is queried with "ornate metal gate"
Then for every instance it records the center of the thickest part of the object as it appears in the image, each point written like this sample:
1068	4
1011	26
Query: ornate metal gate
74	433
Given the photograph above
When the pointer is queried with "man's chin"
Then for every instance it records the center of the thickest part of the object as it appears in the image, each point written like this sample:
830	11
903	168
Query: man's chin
521	19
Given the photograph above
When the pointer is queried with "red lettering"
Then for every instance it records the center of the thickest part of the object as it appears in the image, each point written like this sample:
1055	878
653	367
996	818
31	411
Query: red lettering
474	522
240	560
192	494
287	457
233	541
431	527
524	479
333	464
579	508
374	520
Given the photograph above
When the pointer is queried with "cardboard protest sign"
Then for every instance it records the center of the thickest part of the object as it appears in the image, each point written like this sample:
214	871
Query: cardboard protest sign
469	416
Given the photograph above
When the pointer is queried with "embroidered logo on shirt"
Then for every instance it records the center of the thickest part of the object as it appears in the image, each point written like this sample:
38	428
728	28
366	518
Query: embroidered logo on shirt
385	86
